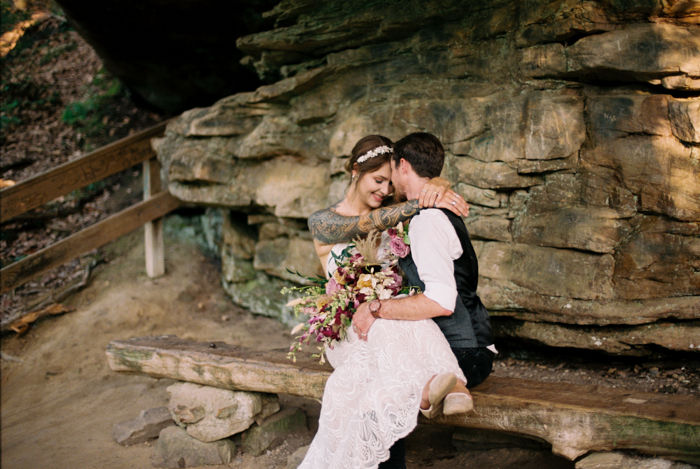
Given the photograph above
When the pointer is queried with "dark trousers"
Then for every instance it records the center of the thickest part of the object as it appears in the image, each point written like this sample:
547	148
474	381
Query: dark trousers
476	364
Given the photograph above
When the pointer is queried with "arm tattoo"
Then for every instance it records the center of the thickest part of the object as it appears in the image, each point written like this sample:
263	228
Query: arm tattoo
328	227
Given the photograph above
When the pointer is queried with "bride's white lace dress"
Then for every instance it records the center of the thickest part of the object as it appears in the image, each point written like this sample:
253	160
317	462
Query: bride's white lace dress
373	397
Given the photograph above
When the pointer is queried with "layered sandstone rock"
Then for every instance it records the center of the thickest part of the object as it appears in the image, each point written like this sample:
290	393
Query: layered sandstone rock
573	130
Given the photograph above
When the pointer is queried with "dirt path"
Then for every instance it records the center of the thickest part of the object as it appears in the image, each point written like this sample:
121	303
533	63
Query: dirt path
60	401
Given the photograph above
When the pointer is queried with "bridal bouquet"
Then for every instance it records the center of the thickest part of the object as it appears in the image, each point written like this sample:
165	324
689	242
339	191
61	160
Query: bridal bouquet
330	303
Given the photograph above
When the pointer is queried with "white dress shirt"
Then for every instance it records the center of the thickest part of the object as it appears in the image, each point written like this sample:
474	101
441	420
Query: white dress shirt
434	247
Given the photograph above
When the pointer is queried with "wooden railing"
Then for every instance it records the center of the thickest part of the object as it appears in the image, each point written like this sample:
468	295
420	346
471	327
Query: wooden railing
76	174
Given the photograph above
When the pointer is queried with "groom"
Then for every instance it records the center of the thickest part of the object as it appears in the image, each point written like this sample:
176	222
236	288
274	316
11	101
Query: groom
442	263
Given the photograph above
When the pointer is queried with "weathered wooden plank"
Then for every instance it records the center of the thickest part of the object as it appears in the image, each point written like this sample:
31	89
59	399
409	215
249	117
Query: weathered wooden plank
85	240
224	366
573	419
63	179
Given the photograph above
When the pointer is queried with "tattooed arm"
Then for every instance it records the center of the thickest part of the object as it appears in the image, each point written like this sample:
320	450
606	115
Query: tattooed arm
328	227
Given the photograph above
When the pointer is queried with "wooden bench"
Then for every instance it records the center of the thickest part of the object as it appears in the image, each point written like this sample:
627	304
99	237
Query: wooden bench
574	419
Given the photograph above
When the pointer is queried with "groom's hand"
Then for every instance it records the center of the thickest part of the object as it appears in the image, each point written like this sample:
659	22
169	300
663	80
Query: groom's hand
362	320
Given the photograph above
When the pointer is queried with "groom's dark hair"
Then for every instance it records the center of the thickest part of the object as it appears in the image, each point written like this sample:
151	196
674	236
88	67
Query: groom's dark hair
424	151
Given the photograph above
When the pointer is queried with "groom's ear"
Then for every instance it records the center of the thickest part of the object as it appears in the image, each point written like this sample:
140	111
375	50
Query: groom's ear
403	165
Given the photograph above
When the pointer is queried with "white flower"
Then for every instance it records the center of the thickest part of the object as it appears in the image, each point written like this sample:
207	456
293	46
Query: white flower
367	291
298	327
384	294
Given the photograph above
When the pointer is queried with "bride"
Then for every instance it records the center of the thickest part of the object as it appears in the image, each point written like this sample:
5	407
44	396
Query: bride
380	380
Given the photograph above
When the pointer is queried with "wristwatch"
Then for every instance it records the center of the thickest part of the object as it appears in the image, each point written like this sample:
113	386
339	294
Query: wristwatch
374	307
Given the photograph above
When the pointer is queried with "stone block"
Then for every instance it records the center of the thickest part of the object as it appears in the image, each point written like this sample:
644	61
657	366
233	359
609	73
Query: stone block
177	449
476	195
235	269
583	228
619	115
237	234
659	170
549	271
280	255
617	340
554	126
684	115
273	430
494	175
643	51
529	127
548	60
658	265
294	190
626	461
210	414
489	227
547	166
263	295
146	426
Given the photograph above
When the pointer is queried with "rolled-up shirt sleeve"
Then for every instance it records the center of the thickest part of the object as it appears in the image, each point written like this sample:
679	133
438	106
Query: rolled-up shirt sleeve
434	246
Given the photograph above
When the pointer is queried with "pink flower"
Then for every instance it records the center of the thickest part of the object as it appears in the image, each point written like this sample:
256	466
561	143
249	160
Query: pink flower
332	286
398	247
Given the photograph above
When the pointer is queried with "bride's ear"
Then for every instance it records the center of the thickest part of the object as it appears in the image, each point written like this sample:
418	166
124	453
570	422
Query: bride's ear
355	170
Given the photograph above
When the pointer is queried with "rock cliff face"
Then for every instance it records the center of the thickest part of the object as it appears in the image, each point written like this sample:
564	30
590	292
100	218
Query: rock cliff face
572	128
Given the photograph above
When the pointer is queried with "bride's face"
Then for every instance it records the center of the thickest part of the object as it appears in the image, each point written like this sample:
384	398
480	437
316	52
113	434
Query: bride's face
372	188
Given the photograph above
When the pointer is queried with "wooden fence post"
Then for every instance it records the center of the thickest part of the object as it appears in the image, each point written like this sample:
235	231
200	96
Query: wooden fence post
155	252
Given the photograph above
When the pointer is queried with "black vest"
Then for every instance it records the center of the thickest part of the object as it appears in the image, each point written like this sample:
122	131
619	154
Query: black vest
469	325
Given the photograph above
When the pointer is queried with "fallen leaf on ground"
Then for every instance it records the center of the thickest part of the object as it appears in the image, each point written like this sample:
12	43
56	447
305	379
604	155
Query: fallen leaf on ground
22	325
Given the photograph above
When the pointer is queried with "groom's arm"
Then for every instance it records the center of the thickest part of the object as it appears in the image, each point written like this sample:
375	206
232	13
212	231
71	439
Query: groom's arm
434	246
411	308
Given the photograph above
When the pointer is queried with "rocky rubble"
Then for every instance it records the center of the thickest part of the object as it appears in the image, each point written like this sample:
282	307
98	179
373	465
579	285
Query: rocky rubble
203	425
572	130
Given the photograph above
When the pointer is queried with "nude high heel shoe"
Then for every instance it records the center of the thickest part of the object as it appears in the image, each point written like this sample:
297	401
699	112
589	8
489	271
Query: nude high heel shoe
457	403
440	386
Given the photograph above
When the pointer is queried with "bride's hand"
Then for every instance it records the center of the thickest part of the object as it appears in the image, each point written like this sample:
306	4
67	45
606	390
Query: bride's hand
432	191
362	320
454	203
436	193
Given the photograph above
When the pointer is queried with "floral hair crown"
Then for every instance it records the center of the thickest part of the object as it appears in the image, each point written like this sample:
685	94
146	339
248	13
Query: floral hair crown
374	152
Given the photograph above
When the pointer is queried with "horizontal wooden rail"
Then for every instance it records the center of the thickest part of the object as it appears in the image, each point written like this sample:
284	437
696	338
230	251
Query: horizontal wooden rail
93	237
93	167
